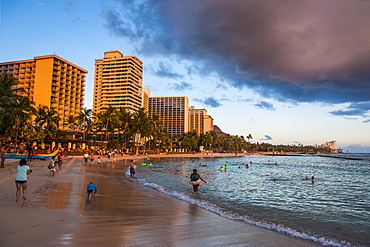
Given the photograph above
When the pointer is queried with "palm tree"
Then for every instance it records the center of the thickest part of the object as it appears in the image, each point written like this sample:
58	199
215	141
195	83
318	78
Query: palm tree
71	122
47	119
84	120
106	118
141	126
123	123
7	81
21	111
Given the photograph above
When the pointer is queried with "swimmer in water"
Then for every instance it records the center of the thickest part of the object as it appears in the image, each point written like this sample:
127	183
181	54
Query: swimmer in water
313	179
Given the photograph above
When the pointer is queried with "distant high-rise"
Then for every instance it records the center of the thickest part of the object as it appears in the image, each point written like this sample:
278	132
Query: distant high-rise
117	82
173	111
145	99
51	81
208	123
199	120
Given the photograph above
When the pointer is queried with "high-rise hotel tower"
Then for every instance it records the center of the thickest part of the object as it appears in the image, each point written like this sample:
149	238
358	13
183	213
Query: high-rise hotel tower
199	120
51	81
173	111
117	82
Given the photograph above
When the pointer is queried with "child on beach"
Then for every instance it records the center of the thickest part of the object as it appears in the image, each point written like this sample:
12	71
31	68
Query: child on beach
132	169
91	189
51	167
98	160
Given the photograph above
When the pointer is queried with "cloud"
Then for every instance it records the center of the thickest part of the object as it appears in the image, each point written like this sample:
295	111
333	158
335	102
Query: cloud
267	138
210	101
354	109
38	3
265	105
366	121
302	51
181	86
165	70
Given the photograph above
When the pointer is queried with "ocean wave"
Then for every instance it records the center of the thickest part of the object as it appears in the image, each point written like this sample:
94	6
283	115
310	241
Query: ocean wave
243	218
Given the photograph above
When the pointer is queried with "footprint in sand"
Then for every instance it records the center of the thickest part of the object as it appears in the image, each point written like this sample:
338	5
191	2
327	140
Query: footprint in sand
12	232
36	225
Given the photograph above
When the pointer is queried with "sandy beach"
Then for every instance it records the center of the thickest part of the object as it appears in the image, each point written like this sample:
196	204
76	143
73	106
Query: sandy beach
123	213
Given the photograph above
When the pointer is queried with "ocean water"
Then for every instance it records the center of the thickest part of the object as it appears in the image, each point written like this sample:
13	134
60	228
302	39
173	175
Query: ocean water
334	210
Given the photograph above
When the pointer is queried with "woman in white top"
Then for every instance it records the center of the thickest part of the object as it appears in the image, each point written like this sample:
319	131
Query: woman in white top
21	178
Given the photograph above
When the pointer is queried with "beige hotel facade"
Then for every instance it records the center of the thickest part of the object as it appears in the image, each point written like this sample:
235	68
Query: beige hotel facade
173	111
51	81
117	82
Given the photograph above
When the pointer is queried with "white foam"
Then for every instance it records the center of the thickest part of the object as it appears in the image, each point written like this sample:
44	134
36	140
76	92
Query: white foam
233	216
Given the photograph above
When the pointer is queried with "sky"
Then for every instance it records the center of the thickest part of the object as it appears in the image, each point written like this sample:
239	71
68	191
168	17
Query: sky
286	72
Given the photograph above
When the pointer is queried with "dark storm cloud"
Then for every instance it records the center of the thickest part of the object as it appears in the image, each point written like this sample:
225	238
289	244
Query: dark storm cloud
181	86
302	51
265	105
210	101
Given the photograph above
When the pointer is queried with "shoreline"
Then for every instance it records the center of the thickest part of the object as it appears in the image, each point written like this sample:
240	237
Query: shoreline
57	214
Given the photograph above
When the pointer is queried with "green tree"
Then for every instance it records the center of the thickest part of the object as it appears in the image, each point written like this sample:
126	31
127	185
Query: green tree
20	113
85	121
123	124
141	127
47	119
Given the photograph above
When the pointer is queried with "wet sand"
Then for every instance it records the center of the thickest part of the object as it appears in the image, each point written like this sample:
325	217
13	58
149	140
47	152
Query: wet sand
123	213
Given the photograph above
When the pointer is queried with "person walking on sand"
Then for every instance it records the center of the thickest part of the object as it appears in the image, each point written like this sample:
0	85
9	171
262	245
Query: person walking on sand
3	151
195	177
23	170
92	159
60	161
86	157
91	189
132	169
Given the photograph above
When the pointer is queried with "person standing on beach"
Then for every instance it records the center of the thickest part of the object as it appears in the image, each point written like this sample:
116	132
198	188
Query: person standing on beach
92	159
3	151
60	161
132	169
195	177
30	151
21	178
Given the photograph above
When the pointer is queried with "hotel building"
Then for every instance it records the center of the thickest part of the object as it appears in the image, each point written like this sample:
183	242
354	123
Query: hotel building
332	145
173	111
51	81
117	82
199	120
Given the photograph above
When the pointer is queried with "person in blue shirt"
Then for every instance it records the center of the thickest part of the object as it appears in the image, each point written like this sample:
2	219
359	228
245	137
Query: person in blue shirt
91	189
